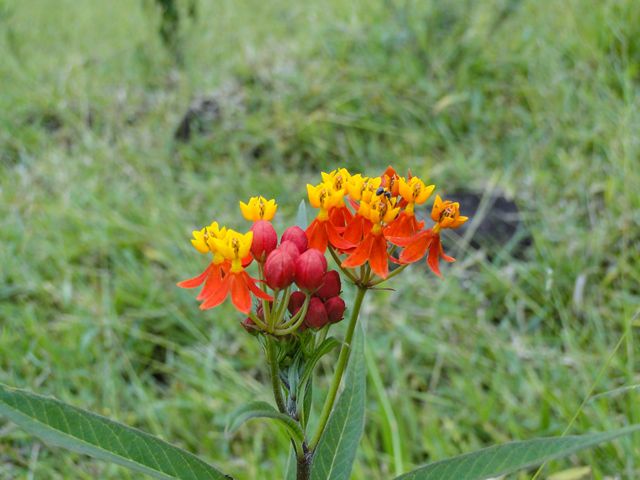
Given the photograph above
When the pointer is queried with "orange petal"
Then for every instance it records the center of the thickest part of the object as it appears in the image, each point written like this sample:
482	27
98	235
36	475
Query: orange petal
340	216
213	282
417	249
357	229
336	240
378	257
444	256
251	283
360	255
240	294
434	255
196	281
218	296
405	241
317	235
247	260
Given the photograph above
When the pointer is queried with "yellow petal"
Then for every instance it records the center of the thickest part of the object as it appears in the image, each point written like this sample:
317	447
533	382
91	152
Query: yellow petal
314	196
425	192
199	241
437	209
247	211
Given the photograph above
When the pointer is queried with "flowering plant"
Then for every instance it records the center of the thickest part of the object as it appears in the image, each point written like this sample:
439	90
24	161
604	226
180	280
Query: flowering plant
362	222
290	298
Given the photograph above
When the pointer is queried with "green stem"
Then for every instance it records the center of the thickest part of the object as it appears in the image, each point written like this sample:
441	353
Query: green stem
294	322
343	359
347	272
263	326
391	275
272	359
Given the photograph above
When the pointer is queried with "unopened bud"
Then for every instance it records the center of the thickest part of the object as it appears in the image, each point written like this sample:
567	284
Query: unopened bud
310	271
316	314
291	248
249	326
296	235
335	308
279	269
296	300
331	285
265	239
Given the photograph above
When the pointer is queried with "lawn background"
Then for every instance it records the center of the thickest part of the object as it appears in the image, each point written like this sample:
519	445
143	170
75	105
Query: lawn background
537	99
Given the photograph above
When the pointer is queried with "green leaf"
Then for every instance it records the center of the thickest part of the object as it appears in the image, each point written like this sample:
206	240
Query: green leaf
305	389
510	457
336	450
302	220
324	348
264	410
292	465
74	429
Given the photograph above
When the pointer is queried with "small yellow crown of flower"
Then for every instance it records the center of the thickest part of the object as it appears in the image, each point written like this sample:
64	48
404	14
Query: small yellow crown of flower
258	208
414	190
446	214
203	239
235	246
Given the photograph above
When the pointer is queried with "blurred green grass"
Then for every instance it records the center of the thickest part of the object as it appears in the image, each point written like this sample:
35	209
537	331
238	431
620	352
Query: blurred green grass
536	97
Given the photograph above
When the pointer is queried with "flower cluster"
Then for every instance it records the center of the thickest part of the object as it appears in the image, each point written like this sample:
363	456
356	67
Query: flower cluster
366	223
282	266
367	218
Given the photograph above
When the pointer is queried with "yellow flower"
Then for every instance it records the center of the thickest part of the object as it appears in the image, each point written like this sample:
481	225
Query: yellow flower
414	191
337	179
203	239
446	214
259	208
363	188
235	247
324	197
379	210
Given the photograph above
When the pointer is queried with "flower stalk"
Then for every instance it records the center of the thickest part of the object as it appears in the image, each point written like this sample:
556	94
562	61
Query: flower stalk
343	359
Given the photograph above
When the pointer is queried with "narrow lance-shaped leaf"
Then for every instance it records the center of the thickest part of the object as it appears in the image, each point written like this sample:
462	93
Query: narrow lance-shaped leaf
264	410
504	459
336	450
302	219
68	427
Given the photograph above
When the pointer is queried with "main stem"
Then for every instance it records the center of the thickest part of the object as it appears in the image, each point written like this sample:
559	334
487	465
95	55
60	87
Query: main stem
343	359
272	359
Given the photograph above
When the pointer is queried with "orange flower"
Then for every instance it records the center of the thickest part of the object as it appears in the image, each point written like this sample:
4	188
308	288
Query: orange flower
212	275
446	214
413	192
378	211
226	275
329	224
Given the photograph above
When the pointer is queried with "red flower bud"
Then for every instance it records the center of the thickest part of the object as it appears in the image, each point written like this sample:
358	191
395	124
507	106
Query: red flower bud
316	314
331	285
311	268
291	248
279	269
249	326
297	236
265	239
335	307
296	300
260	310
